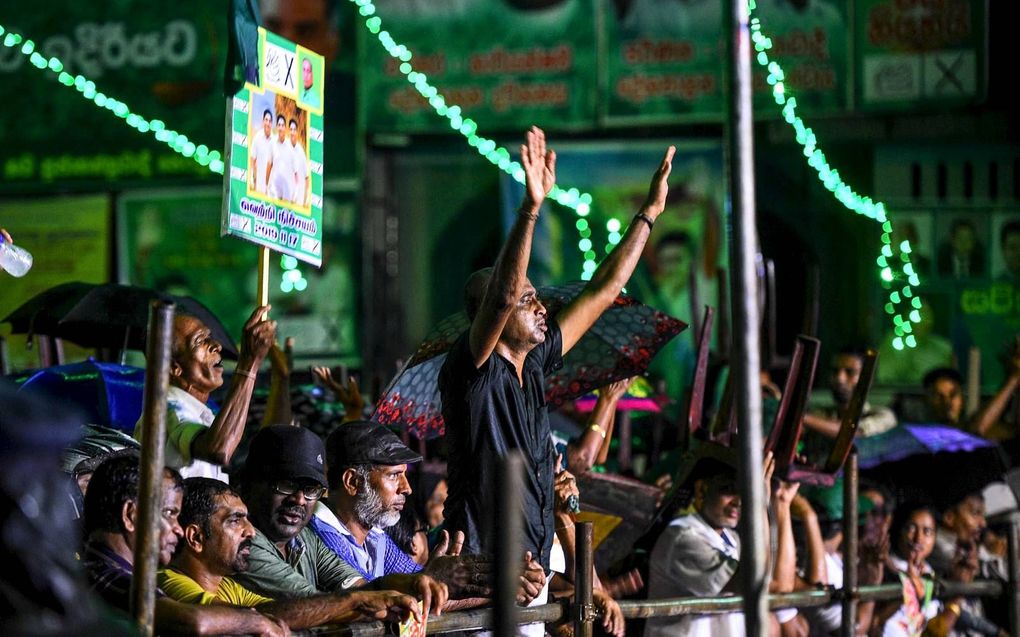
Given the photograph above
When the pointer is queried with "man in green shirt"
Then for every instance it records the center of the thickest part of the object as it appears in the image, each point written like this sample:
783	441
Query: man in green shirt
282	480
216	544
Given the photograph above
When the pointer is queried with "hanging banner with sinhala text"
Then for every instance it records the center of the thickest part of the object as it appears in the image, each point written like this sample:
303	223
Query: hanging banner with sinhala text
274	181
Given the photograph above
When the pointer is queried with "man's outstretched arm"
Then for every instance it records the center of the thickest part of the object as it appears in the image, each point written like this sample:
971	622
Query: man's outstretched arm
612	275
511	269
218	443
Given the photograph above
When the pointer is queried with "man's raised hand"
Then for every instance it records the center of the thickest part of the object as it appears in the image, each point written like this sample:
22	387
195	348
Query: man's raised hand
656	201
258	335
539	171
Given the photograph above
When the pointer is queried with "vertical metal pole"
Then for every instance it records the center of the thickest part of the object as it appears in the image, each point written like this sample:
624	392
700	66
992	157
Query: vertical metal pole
973	380
746	352
625	456
58	350
5	363
1014	574
44	346
850	526
584	615
508	545
150	488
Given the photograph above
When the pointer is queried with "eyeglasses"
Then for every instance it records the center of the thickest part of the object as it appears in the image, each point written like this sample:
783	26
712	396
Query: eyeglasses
308	491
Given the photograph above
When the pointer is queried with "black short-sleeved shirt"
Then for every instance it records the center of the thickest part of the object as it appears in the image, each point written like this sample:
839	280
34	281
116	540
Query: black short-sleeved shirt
488	413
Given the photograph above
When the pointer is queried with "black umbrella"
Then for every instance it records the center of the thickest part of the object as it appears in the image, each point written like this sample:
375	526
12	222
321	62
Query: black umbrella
105	315
41	313
621	344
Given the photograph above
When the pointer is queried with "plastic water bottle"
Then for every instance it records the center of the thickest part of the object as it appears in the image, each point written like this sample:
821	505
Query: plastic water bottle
16	261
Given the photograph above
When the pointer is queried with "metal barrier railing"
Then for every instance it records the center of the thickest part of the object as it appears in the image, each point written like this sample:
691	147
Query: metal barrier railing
583	617
480	619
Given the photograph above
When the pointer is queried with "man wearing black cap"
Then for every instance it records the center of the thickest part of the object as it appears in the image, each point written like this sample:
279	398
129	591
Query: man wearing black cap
366	465
282	480
366	470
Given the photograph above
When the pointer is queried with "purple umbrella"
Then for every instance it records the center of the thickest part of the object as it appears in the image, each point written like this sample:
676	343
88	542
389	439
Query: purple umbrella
911	440
934	462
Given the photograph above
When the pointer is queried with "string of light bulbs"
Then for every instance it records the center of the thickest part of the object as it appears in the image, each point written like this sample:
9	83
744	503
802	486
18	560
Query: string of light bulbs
177	142
903	303
579	202
896	271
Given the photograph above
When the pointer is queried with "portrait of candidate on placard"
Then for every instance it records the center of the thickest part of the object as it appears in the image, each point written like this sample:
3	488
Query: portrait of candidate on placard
310	81
278	165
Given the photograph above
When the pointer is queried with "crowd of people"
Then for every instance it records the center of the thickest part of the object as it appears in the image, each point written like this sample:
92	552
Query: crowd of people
304	531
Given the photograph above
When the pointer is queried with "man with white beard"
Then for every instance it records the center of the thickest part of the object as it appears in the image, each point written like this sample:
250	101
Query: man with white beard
366	467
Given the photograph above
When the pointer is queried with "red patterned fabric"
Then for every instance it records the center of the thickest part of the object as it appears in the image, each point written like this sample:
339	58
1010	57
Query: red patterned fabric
621	344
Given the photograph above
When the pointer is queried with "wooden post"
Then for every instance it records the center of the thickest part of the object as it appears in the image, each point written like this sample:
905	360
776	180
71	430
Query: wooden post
584	609
150	487
263	291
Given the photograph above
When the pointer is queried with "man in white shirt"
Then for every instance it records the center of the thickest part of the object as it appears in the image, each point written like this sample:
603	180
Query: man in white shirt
281	169
260	154
299	164
699	552
199	443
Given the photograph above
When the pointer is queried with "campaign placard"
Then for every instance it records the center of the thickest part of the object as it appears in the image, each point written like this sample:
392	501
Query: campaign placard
274	175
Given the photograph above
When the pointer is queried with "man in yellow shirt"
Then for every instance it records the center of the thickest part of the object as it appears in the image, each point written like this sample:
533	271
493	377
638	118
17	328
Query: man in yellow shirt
216	544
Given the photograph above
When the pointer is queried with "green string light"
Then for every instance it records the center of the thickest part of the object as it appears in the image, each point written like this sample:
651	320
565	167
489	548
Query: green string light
292	279
177	142
899	283
579	202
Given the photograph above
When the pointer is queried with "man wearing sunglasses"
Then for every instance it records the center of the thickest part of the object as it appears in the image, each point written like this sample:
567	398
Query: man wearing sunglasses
282	480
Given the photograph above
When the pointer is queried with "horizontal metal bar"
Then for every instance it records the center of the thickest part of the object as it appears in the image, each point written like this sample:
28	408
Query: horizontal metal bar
477	618
802	599
481	618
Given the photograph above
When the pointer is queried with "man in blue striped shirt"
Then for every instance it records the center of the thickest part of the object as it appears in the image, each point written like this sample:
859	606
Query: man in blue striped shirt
366	467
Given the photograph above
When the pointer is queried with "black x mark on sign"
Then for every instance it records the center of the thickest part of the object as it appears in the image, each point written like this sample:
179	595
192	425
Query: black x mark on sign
949	73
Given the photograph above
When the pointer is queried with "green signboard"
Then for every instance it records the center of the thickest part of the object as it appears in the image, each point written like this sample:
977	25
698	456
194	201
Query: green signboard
665	59
919	54
164	60
507	64
70	241
274	182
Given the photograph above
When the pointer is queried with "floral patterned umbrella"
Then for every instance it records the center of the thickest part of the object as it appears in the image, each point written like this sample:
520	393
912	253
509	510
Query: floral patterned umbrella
621	344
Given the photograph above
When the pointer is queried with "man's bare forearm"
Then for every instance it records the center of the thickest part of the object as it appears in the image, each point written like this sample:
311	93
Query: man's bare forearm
509	275
991	412
826	427
315	611
218	443
785	573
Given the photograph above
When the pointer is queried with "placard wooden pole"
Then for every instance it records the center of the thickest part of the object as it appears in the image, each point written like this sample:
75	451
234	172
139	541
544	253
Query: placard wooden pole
263	291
